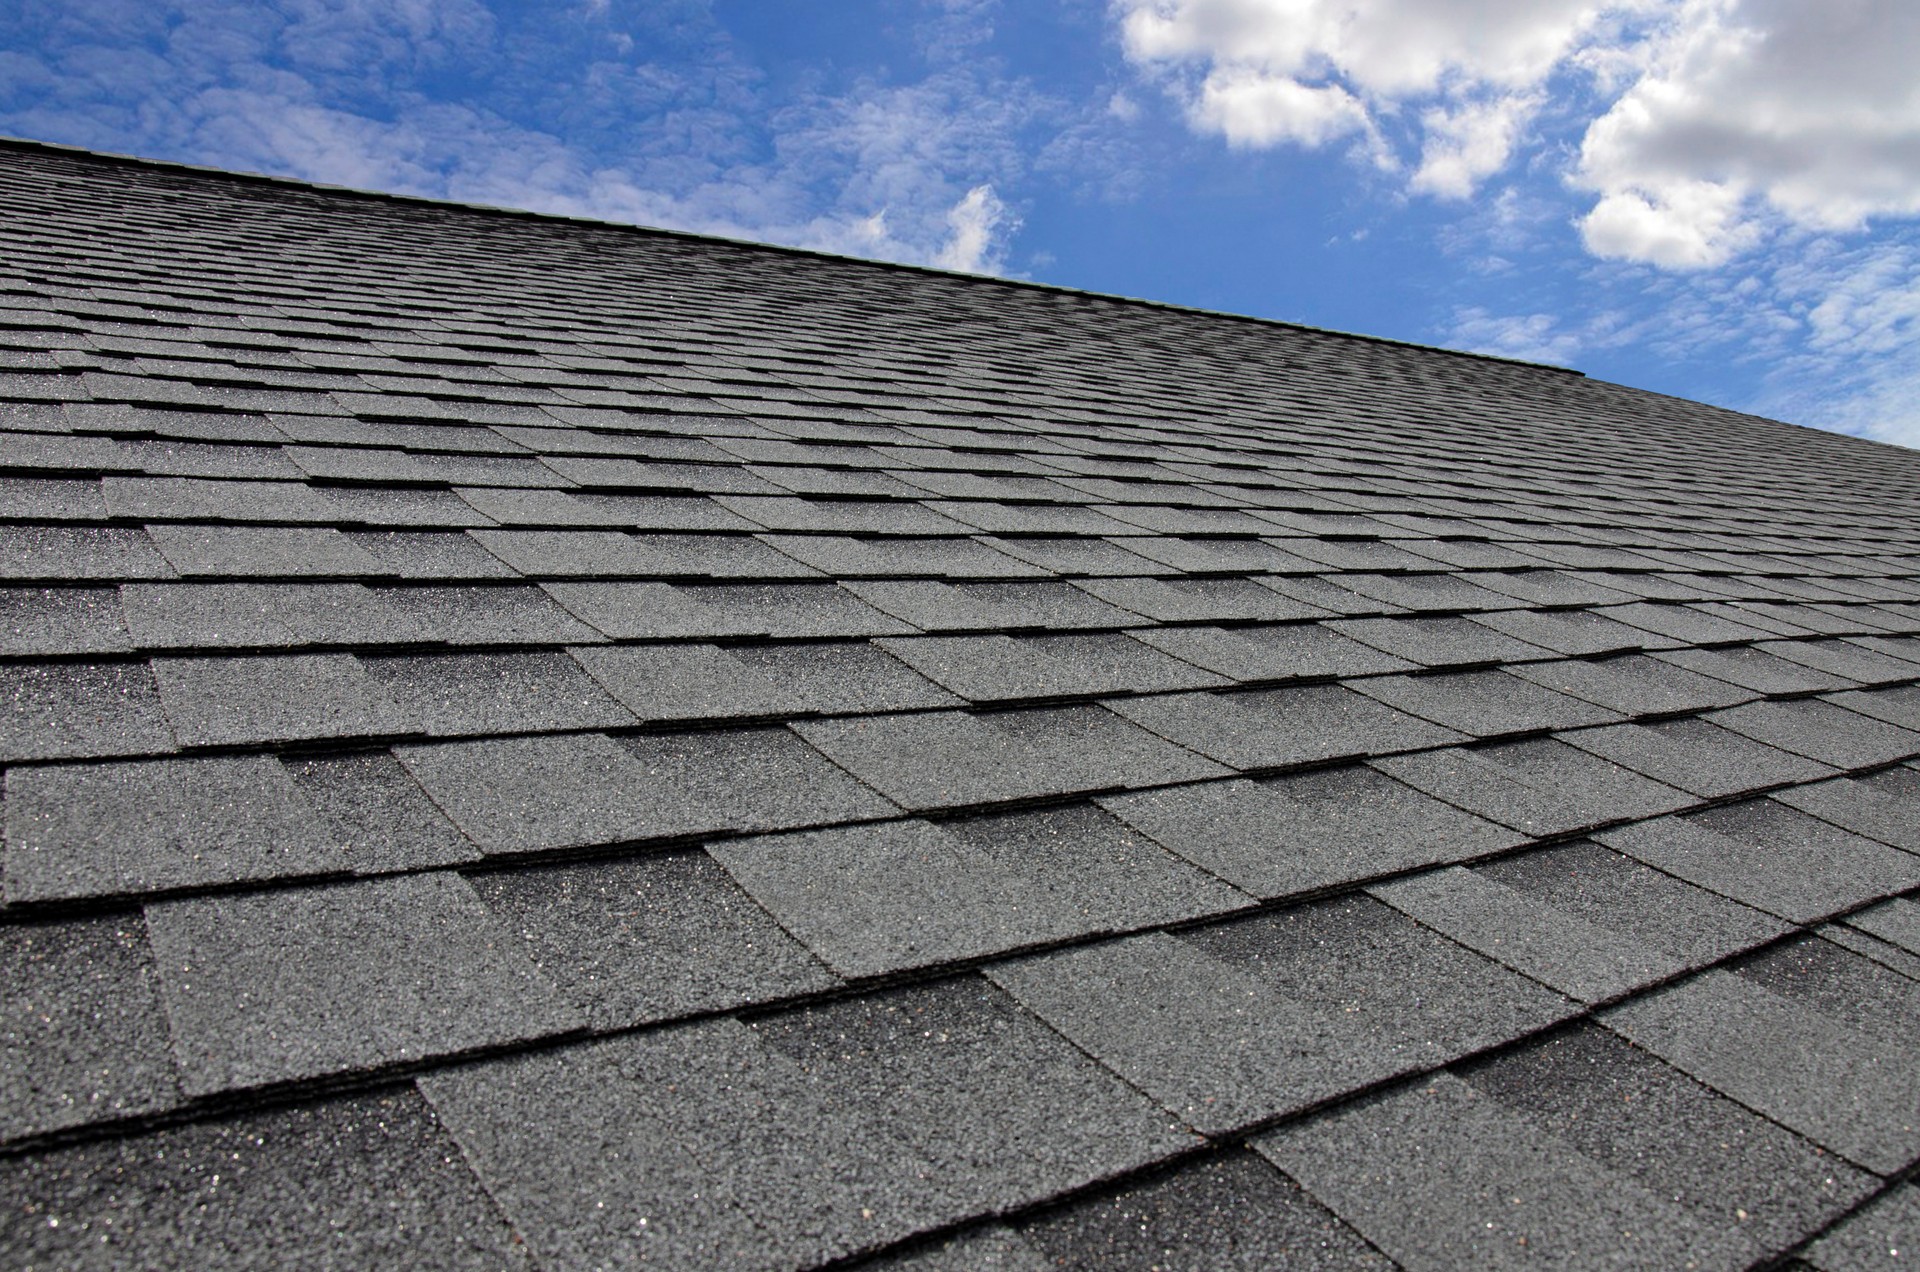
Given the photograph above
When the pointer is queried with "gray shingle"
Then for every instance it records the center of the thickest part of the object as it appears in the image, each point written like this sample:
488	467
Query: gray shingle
649	938
935	606
1440	642
1272	728
1697	757
1876	1237
82	1037
103	829
707	682
1439	1175
845	557
1289	835
1076	558
1692	624
1846	1090
505	615
628	611
1752	667
1845	659
1895	706
1540	785
226	701
430	555
473	693
951	759
1821	731
1010	668
379	815
1300	651
992	1248
261	550
1576	633
68	710
1484	703
1896	922
69	554
1634	684
1173	600
365	1181
963	889
52	499
755	779
1770	856
61	620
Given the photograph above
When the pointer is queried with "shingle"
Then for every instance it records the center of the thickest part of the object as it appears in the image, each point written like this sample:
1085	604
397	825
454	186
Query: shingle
1234	1213
846	557
613	554
992	1248
1752	667
488	615
1895	706
1697	757
1820	974
71	710
1821	731
82	1037
474	693
649	610
963	889
1484	703
843	516
936	606
649	938
1271	728
1050	518
1007	668
1075	557
631	512
512	795
1634	684
429	555
1692	624
261	550
61	620
226	701
380	817
1290	835
1541	785
1876	1237
1175	600
754	779
101	829
1296	651
272	986
707	682
1438	593
69	554
1235	1023
633	474
1538	587
1576	633
1770	856
406	509
1440	1175
1222	556
1896	922
1439	642
951	758
227	615
52	499
363	1181
1845	659
1846	1090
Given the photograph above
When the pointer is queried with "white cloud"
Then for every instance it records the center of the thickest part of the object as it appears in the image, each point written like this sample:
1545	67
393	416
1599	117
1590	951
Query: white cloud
1467	143
979	223
1529	337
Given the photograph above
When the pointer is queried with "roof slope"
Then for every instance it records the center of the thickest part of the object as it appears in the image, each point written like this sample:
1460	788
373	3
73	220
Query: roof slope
539	744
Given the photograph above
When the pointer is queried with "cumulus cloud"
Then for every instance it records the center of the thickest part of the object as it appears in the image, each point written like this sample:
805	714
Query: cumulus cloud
1528	337
975	222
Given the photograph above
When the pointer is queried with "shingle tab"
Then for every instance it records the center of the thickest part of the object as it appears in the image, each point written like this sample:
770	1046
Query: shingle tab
379	815
1540	785
936	606
985	669
1274	728
1822	731
688	681
225	701
272	986
475	693
68	710
1484	703
239	551
1305	651
1697	756
61	620
630	611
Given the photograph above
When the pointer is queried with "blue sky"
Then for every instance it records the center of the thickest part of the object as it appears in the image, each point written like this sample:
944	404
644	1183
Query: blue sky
1713	198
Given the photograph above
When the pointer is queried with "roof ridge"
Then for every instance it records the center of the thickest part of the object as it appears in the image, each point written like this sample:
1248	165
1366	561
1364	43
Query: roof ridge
8	142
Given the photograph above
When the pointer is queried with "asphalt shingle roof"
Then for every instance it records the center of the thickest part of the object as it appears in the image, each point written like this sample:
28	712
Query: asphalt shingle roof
543	745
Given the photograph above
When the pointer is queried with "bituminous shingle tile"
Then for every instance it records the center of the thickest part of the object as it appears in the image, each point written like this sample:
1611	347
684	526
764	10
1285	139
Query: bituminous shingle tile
945	558
401	508
1752	667
1770	856
992	668
1633	684
628	512
935	606
1233	1213
953	758
1690	624
1846	1090
1575	633
190	499
1077	558
52	499
1541	785
486	615
1439	642
1896	706
1846	659
754	779
1283	836
1648	1123
251	1191
1538	587
963	889
1896	922
302	982
628	611
1872	1238
1484	703
73	710
1295	651
61	620
1178	600
1223	556
230	615
1821	731
481	693
614	554
632	474
69	554
430	555
1821	974
841	482
649	938
704	682
1440	1175
1239	1022
1697	757
274	698
380	817
104	829
82	1037
992	1248
1051	518
843	516
261	550
1359	556
1272	728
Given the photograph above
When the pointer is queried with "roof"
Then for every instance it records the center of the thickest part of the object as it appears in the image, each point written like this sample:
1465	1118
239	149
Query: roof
538	744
